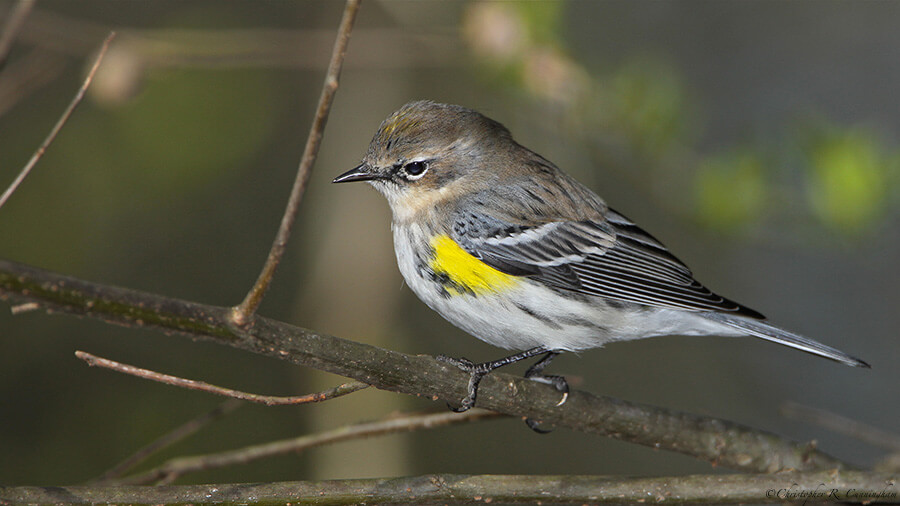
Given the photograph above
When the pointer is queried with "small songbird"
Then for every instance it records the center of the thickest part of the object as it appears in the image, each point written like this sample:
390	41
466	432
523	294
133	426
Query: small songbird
514	251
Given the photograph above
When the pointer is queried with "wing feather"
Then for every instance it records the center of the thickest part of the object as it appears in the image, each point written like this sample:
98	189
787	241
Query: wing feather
613	258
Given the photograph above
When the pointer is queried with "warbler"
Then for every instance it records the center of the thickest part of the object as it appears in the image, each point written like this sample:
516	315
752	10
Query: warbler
509	248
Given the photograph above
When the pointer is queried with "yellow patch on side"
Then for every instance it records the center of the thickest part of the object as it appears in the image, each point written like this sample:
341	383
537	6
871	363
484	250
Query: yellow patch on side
465	272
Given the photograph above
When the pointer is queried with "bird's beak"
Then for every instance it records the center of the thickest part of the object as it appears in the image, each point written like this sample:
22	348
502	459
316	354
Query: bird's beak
358	173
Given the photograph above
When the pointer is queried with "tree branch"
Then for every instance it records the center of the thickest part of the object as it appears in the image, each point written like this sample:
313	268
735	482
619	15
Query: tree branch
721	442
60	123
168	439
268	400
843	486
244	311
173	469
842	425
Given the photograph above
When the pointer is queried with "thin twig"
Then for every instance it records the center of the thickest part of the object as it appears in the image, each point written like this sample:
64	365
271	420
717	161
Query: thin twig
177	467
842	425
168	439
258	47
242	313
14	23
268	400
59	124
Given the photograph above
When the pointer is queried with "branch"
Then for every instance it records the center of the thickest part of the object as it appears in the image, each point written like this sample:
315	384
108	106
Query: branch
59	124
268	400
168	439
843	486
245	310
721	442
180	466
842	425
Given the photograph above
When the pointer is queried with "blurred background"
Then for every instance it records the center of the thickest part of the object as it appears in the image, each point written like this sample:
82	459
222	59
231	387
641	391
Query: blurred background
758	140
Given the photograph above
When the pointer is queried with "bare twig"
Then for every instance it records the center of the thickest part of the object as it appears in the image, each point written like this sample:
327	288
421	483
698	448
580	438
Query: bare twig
268	400
244	311
177	467
59	124
727	444
14	22
258	47
842	425
806	488
169	439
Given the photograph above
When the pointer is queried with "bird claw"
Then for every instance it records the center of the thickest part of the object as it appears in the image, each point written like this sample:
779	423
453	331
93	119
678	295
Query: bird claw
478	371
558	382
462	407
536	426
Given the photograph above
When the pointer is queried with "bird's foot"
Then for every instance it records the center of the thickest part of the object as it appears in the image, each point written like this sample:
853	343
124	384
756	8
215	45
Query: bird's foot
557	382
535	373
476	373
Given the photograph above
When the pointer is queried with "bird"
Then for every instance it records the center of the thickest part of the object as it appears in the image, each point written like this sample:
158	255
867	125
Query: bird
512	250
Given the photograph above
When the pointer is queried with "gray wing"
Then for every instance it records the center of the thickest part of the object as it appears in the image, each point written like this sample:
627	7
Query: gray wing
614	259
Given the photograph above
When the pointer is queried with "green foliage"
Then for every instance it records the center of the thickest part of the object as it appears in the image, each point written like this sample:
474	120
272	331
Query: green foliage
542	20
518	46
650	105
643	109
731	190
848	176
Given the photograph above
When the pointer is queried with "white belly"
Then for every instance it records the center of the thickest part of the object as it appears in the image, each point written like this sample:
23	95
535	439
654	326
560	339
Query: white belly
531	314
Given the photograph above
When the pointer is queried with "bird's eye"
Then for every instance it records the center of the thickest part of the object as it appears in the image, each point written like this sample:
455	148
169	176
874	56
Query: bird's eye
416	169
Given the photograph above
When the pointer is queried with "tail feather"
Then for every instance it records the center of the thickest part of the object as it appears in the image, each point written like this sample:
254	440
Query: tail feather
769	332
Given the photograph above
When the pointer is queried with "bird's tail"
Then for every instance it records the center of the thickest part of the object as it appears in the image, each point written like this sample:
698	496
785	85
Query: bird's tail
769	332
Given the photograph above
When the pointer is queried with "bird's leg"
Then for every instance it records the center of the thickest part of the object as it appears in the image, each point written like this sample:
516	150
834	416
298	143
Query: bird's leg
479	371
536	373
